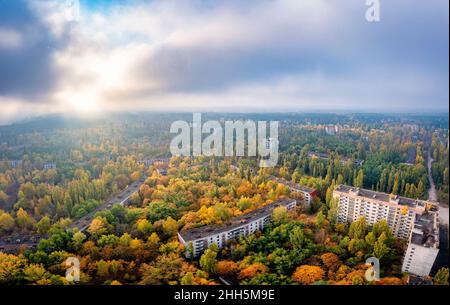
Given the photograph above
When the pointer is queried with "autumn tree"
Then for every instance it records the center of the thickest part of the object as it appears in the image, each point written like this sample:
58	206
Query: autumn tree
24	220
6	222
253	270
43	225
307	274
11	267
226	268
280	215
358	228
208	259
331	261
441	277
98	227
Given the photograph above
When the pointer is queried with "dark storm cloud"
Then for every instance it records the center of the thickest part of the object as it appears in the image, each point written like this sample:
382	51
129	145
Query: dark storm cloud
26	70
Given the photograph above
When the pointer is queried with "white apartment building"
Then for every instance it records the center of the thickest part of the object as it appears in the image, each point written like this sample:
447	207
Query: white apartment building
198	239
423	245
411	219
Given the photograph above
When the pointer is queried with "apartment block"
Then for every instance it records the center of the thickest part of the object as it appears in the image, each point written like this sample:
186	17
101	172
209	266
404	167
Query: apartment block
308	193
423	245
411	219
198	239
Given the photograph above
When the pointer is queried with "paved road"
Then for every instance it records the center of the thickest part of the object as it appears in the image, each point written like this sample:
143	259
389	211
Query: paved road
122	198
432	194
14	242
442	257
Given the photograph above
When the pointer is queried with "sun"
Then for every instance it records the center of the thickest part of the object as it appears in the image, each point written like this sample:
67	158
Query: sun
82	102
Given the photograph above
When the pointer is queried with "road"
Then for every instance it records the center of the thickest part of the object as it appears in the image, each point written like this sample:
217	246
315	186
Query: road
442	257
432	194
122	198
12	243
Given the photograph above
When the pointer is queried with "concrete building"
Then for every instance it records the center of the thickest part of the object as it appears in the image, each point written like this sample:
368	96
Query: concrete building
326	156
50	165
198	239
308	193
332	129
16	163
414	220
423	244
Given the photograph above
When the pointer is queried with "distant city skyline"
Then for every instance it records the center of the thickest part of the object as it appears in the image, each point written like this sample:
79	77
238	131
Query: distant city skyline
235	56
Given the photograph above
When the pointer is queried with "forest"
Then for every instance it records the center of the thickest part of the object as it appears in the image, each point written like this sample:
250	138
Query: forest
56	171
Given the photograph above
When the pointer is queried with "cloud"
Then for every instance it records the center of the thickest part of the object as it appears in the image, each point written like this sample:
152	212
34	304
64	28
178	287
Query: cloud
292	54
10	39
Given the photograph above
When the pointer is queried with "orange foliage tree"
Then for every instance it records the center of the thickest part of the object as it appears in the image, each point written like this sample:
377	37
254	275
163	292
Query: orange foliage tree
227	268
253	270
331	261
306	274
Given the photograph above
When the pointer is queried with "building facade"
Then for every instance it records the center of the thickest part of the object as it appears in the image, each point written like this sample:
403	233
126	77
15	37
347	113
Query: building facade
198	239
408	219
423	246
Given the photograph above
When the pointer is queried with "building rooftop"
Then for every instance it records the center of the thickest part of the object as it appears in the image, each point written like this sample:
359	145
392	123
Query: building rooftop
418	280
426	229
409	202
293	185
201	232
325	156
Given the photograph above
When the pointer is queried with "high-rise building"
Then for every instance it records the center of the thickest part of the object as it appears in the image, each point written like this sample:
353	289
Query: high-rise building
414	220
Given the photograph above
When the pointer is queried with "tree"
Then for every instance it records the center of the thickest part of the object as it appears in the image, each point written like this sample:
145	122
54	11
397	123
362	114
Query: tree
333	208
187	279
390	281
144	226
358	229
253	270
280	215
396	186
98	226
34	273
441	277
420	189
307	274
297	237
3	197
320	218
226	268
331	261
6	222
44	225
24	220
208	259
170	226
167	268
380	249
359	182
77	239
11	268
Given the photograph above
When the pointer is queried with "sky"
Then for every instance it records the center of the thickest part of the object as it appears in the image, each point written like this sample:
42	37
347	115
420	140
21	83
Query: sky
265	55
